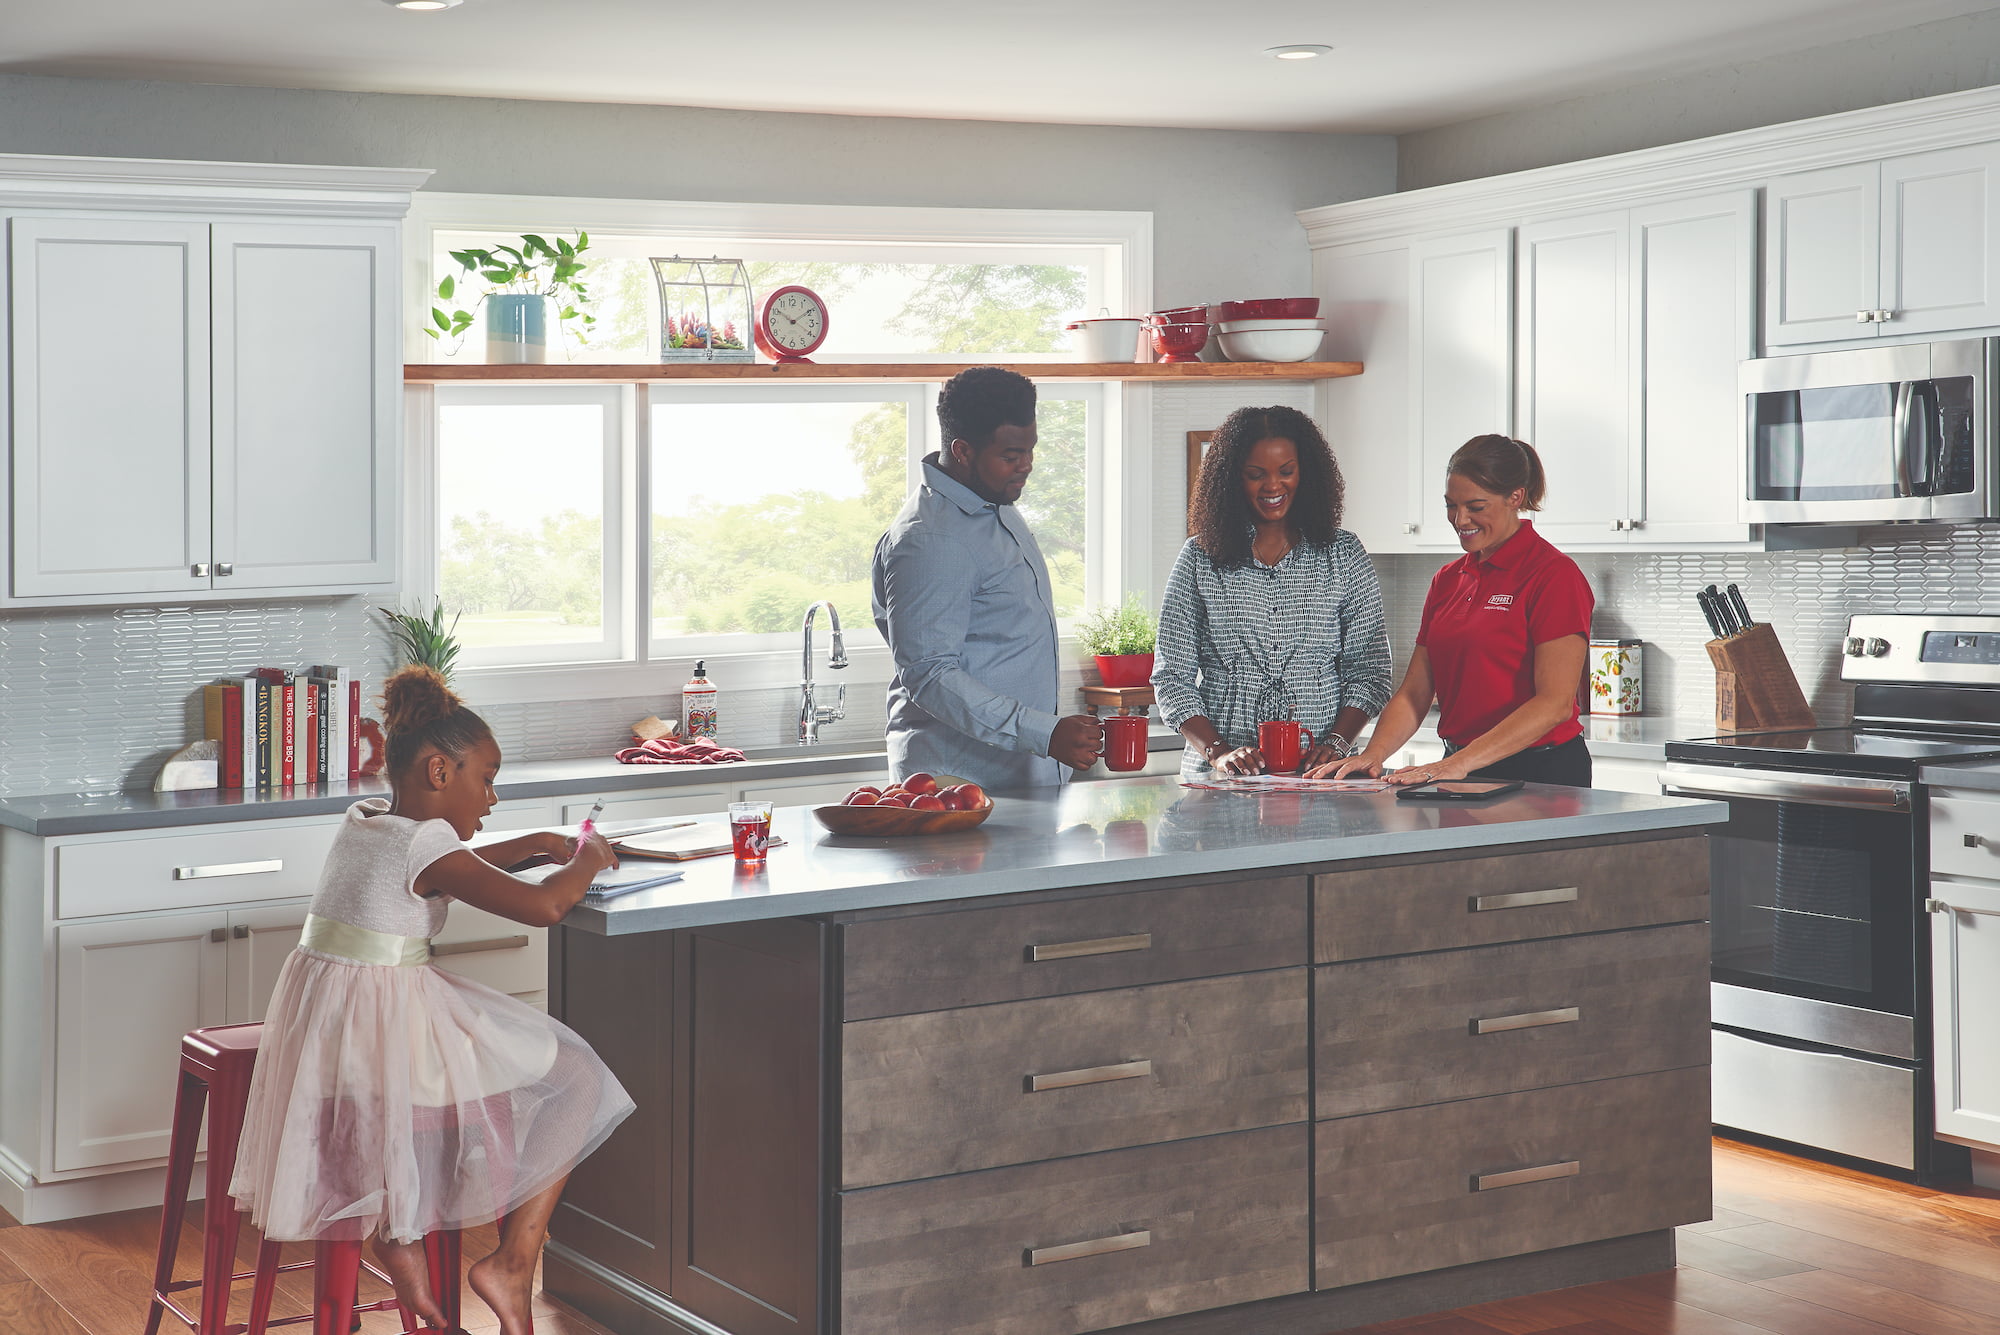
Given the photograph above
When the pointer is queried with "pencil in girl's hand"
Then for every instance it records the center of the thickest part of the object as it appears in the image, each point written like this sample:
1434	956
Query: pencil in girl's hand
589	826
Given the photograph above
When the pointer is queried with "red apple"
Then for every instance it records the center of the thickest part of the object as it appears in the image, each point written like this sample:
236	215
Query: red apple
893	800
869	789
921	782
927	802
864	798
971	797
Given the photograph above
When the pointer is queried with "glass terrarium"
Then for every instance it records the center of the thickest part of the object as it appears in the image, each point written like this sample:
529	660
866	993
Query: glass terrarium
705	310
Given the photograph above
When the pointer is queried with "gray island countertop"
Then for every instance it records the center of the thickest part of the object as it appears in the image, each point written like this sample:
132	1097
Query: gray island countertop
1115	834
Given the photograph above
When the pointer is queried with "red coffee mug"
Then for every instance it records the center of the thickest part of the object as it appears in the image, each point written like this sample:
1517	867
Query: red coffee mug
1125	742
1284	744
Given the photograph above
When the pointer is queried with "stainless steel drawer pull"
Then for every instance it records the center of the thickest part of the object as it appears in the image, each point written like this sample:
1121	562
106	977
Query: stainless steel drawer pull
1522	899
1528	1020
1520	1176
1073	1251
228	869
1103	945
1972	841
1090	1075
475	947
1941	906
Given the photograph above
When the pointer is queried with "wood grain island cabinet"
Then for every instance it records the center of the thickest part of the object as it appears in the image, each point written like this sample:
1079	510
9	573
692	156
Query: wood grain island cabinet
1287	1098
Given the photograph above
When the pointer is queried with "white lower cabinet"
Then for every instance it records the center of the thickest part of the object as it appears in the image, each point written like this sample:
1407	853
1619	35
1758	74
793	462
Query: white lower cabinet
1625	776
1965	965
126	990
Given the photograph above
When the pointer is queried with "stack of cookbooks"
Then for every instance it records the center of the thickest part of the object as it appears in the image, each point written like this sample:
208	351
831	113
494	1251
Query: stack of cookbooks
278	727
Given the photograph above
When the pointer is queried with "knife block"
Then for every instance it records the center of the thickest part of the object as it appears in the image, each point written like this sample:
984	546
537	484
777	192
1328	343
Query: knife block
1755	690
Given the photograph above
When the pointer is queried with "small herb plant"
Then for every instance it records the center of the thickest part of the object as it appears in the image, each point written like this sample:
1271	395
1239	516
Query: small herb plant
536	268
424	638
1128	628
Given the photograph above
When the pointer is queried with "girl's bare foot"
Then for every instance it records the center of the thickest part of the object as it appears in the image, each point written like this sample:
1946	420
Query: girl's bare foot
506	1285
404	1264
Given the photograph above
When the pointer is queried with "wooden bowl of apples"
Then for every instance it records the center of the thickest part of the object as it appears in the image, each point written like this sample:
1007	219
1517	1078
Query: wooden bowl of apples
920	804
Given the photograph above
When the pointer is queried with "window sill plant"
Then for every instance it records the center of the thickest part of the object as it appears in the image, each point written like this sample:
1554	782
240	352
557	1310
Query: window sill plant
521	282
1121	639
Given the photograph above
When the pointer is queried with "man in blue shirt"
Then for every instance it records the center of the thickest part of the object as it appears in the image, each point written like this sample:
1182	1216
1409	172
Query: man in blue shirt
962	596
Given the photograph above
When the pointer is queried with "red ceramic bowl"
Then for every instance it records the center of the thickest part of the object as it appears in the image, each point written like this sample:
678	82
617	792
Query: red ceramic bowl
1180	315
1179	342
1272	308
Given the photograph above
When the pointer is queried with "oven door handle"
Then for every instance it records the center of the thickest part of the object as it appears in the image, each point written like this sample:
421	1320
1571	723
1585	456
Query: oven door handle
1819	790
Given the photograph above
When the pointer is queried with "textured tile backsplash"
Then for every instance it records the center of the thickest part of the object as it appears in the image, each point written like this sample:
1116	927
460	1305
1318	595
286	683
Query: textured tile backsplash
1806	596
95	699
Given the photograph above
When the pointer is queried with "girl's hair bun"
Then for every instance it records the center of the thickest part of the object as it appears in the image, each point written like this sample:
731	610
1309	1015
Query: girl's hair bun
414	698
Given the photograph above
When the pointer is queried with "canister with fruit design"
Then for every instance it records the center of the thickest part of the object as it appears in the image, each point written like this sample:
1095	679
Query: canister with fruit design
1617	677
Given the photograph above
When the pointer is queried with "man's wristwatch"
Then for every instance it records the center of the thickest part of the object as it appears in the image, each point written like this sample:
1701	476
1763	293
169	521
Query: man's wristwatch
1342	748
1218	747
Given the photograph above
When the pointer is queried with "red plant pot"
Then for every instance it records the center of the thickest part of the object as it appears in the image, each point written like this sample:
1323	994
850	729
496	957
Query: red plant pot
1179	342
1125	669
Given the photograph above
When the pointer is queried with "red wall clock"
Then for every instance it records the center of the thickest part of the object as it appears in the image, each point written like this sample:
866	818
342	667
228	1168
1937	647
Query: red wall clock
790	324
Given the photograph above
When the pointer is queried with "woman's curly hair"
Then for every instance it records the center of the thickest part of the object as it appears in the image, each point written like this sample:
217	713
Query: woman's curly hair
1219	514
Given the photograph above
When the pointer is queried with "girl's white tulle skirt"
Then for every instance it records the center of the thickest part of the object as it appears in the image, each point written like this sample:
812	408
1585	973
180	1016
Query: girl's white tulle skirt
403	1100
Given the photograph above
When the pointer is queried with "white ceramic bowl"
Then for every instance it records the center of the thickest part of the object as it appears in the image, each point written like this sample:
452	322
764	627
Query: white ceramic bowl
1271	345
1106	340
1251	326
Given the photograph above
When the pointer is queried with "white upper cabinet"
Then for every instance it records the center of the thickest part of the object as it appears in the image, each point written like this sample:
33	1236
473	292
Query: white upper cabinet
1364	296
307	385
202	389
1573	345
1895	248
110	406
1694	319
1461	363
1631	327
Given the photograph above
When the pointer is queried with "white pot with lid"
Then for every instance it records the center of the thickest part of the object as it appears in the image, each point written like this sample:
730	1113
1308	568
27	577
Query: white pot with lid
1106	338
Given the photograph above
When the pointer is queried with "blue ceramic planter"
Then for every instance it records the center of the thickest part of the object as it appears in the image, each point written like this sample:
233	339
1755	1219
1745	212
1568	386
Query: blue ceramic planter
516	329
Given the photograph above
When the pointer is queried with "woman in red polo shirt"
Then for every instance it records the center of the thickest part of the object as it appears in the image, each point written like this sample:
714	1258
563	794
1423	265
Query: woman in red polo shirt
1505	633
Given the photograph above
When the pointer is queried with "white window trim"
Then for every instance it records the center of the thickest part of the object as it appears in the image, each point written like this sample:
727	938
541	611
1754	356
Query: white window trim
1122	476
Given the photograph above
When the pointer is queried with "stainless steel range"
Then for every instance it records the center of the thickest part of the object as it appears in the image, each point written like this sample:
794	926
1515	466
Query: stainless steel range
1820	986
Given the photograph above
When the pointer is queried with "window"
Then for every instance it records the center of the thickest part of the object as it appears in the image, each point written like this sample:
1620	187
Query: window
597	529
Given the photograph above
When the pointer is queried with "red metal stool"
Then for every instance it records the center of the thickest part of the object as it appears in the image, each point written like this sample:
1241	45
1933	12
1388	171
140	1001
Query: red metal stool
215	1071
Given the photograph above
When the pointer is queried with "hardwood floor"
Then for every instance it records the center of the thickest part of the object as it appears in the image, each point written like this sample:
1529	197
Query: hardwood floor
1795	1248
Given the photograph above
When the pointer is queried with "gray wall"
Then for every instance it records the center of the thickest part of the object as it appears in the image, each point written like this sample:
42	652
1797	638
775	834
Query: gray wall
1944	57
1222	201
95	699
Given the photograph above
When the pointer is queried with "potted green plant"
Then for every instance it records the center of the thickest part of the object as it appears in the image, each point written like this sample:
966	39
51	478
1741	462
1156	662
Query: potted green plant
1121	639
521	282
422	637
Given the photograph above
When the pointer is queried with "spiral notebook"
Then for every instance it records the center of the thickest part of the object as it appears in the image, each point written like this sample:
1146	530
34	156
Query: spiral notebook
611	882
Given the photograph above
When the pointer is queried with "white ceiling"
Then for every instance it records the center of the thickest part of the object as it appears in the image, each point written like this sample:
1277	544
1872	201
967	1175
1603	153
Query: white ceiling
1399	65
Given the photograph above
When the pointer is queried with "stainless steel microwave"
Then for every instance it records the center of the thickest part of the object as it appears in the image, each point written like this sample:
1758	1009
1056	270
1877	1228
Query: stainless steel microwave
1871	435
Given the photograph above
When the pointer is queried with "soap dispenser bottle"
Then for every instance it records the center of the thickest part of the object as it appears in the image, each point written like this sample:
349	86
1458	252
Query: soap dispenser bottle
698	712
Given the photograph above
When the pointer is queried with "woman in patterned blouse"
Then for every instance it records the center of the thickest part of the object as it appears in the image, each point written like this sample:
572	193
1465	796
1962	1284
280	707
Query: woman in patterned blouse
1273	610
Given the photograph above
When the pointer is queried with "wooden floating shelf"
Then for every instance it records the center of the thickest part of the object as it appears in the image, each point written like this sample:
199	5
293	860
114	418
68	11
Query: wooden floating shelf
638	372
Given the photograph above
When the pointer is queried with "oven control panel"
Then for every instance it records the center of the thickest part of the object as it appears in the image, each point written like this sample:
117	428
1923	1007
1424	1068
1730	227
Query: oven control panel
1922	648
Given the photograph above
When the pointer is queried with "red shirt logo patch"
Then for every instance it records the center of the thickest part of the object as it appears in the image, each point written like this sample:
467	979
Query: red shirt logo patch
1500	602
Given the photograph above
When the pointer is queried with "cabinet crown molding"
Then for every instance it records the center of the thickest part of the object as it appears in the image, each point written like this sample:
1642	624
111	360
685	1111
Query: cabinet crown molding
30	180
1741	158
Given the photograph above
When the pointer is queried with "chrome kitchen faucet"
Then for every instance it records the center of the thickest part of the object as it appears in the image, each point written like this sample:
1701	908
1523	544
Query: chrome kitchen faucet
811	715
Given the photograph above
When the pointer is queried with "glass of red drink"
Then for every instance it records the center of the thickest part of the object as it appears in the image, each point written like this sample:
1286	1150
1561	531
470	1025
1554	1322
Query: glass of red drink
750	830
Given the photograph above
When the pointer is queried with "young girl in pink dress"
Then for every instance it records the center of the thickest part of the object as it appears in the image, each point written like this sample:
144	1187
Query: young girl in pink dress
392	1099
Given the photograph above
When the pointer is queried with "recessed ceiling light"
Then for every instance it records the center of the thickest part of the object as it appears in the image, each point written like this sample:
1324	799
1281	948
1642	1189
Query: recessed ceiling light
1306	52
423	4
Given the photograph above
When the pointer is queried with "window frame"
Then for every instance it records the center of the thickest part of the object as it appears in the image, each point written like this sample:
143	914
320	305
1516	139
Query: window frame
1118	524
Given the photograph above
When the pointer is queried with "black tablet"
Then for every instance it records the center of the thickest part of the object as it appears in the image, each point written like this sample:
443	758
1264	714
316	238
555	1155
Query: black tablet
1459	790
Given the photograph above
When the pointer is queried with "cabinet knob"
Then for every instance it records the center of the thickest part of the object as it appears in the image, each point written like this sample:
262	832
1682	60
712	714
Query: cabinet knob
1883	317
1409	528
1634	525
199	570
1617	526
225	568
240	932
1864	317
218	934
1972	841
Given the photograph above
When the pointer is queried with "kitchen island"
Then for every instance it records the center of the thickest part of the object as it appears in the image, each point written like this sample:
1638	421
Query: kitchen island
1144	1057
